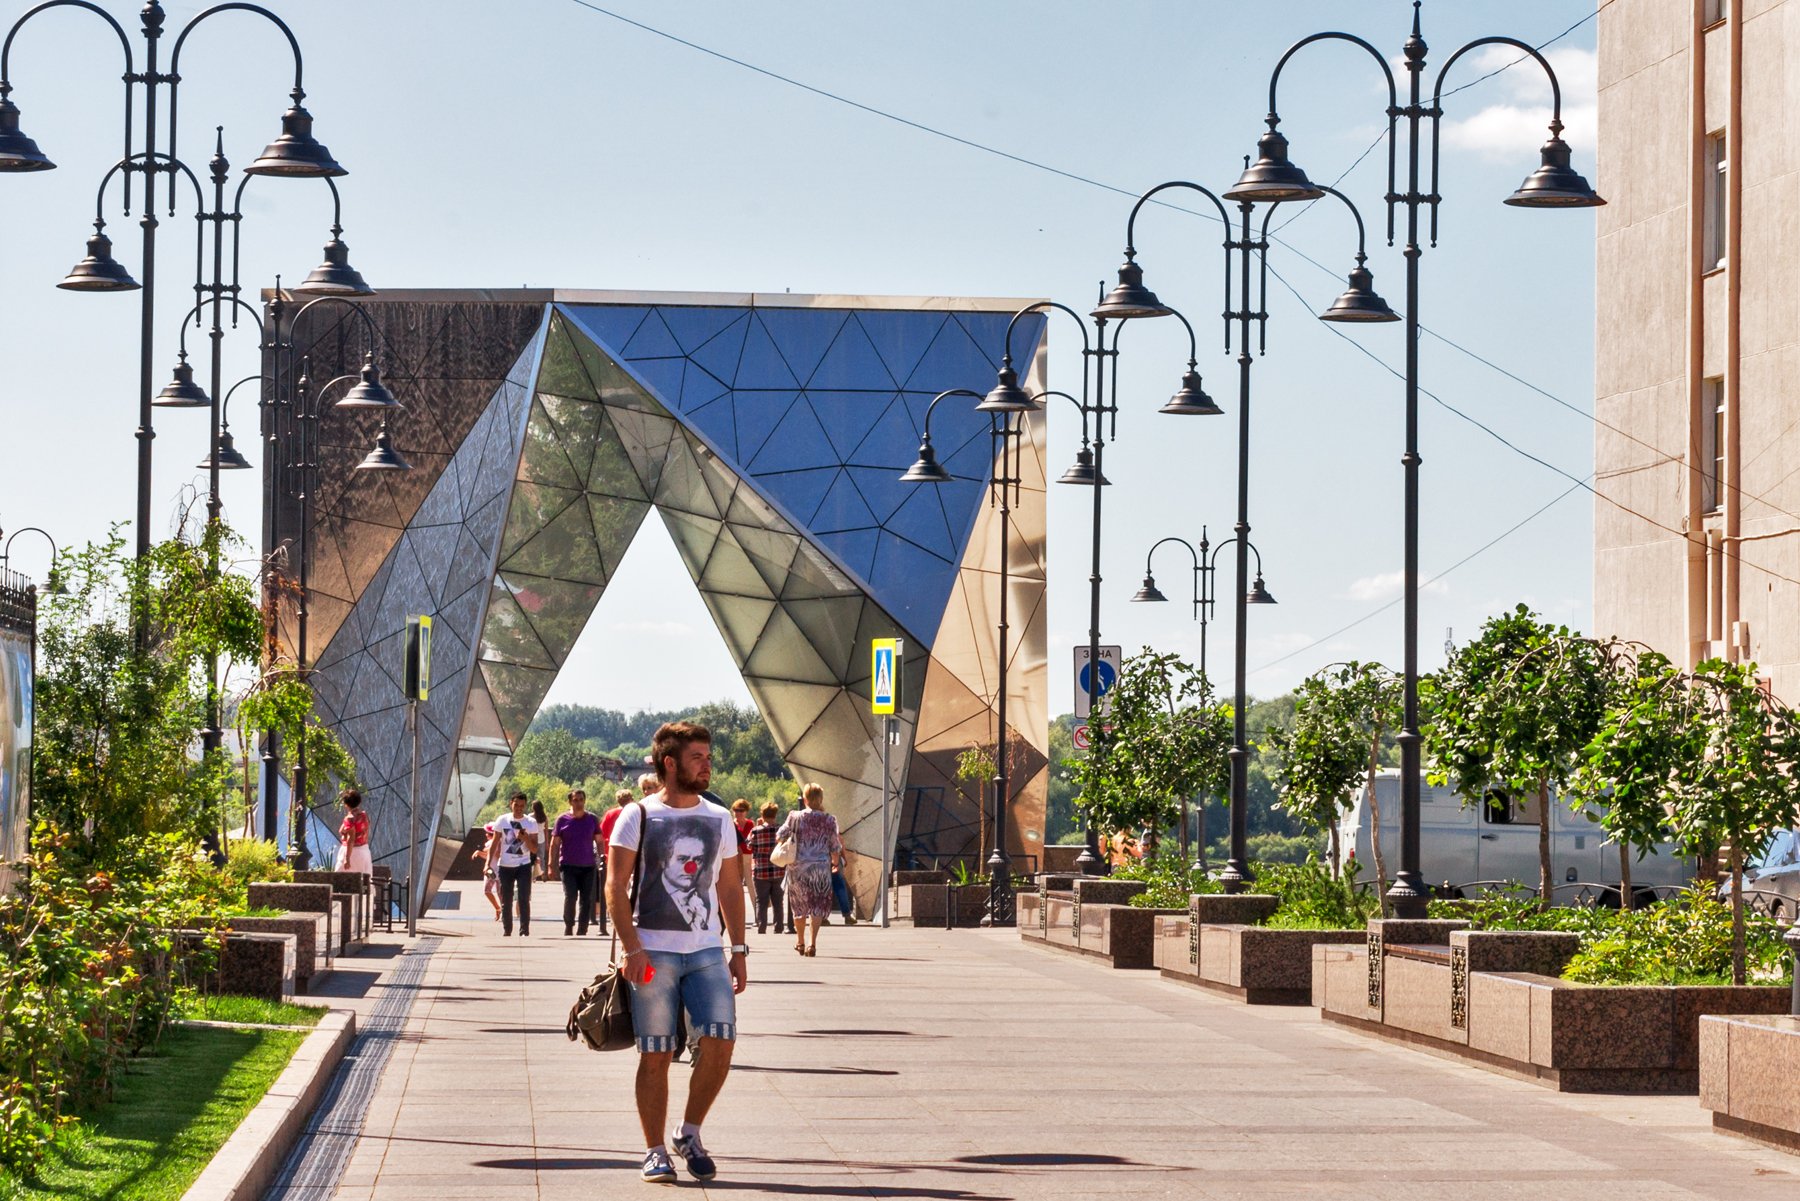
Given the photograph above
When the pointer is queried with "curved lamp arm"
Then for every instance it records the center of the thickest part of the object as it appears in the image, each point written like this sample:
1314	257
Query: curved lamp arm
124	42
1078	405
1361	244
200	307
225	405
237	213
298	93
1393	108
176	167
6	553
1194	554
1224	219
1211	562
1437	111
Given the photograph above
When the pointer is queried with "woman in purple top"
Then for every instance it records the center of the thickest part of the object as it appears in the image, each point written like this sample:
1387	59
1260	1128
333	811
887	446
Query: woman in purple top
818	850
572	846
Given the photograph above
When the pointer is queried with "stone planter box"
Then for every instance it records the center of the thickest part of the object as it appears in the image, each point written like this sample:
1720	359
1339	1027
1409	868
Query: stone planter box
354	884
1748	1066
251	965
901	879
1028	907
1258	966
1061	858
312	941
306	898
1122	935
927	904
1492	997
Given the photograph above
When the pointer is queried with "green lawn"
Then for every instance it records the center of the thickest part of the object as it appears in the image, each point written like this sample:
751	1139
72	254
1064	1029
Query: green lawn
172	1112
212	1007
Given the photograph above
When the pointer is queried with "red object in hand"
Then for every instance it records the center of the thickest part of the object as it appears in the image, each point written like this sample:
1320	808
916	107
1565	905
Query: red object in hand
649	972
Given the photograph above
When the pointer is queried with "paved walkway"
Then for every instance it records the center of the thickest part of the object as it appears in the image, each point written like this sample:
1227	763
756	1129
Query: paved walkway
962	1065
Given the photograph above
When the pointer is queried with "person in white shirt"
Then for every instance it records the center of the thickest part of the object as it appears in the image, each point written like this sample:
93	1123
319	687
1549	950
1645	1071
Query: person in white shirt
510	847
689	899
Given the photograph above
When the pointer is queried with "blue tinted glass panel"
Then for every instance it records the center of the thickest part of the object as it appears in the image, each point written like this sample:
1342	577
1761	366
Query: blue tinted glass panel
852	360
855	549
803	335
662	378
798	492
843	508
694	328
652	340
761	364
847	417
757	415
799	441
610	325
900	338
719	354
919	582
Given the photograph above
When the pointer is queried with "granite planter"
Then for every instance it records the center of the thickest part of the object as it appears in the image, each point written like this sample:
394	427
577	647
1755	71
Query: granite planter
931	904
312	941
306	898
354	884
250	965
1748	1066
1493	998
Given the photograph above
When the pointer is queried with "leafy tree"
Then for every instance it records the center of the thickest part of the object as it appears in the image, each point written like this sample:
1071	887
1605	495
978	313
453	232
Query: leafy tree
1711	754
557	754
1059	802
280	702
1161	739
1514	711
117	719
1333	744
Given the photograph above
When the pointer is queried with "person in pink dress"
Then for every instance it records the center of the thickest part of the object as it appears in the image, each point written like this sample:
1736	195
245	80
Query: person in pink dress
818	851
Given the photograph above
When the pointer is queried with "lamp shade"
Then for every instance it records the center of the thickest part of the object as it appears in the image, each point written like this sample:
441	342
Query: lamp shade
99	271
18	152
1007	397
1129	297
296	153
1272	177
927	470
1149	591
1555	184
226	456
1191	399
335	276
1258	595
384	457
1359	301
369	392
182	392
1082	471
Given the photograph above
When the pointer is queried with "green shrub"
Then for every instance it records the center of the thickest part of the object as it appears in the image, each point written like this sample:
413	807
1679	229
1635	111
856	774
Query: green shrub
90	966
1311	898
1684	940
252	861
1171	879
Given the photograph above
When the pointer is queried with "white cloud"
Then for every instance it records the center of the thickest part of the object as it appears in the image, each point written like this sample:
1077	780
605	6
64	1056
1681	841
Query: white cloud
1520	122
1386	586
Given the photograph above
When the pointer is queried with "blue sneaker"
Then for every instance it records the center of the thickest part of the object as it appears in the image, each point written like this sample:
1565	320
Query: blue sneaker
699	1164
657	1168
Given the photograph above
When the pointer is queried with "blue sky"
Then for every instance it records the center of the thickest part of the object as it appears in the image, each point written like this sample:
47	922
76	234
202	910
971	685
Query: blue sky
546	143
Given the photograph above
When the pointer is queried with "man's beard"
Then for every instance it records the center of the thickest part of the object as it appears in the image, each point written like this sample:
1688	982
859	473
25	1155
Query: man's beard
695	783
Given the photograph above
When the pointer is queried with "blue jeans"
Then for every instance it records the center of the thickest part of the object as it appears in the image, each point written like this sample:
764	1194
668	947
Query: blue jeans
698	981
840	891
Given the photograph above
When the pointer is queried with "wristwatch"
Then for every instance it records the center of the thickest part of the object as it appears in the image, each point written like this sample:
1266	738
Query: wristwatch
738	948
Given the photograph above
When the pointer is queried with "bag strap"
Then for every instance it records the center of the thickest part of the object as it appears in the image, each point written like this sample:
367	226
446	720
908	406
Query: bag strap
637	876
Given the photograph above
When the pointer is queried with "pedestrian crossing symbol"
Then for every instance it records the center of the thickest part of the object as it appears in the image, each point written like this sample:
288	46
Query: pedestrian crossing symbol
884	684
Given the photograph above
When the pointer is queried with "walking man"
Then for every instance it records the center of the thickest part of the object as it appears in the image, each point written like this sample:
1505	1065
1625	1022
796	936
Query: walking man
572	846
510	847
764	875
689	898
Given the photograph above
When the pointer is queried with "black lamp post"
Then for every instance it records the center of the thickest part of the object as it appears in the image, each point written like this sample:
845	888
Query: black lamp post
293	421
1206	569
1553	185
1004	408
53	583
1130	298
294	153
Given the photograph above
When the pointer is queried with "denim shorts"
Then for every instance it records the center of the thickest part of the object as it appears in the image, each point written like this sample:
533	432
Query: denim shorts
698	981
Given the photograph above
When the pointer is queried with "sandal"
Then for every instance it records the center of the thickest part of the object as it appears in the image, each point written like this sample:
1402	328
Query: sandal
811	951
799	949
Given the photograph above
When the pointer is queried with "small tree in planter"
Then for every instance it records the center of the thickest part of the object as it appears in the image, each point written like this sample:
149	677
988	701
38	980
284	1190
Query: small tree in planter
1514	711
1159	740
1724	753
1341	714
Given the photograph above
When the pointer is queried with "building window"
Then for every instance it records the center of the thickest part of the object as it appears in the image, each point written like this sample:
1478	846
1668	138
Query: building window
1714	11
1712	444
1714	215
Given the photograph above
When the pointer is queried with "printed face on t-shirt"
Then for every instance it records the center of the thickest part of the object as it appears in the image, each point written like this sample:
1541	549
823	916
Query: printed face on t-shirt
683	851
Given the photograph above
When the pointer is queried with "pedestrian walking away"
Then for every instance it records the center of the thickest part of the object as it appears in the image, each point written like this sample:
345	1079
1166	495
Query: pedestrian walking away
490	885
510	851
353	836
610	818
764	875
681	850
572	858
818	851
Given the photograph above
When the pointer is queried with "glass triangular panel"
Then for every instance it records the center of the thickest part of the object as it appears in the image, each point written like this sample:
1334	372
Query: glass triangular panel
954	361
579	427
533	507
609	325
843	509
757	414
740	620
771	550
542	459
517	692
789	707
798	442
729	570
616	523
803	335
652	340
695	327
799	492
557	609
783	653
718	355
761	364
645	439
693	537
849	418
507	636
560	371
830	625
853	362
564	549
814	574
899	337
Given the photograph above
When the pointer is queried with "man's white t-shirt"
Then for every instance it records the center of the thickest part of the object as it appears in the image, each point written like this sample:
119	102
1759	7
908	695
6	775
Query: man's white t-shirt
678	864
513	851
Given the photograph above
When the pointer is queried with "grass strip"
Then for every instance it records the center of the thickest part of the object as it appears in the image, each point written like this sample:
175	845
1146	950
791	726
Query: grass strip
172	1112
213	1007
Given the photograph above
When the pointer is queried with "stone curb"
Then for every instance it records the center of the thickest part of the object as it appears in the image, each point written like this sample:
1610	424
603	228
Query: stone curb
247	1163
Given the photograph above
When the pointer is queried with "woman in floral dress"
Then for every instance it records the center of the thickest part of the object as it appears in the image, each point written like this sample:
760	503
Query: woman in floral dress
818	850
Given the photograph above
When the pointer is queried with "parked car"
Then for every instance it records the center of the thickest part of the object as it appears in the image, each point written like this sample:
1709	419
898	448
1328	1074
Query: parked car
1462	844
1772	879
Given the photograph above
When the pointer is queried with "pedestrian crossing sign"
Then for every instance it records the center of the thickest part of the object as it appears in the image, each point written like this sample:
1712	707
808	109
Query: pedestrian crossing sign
884	683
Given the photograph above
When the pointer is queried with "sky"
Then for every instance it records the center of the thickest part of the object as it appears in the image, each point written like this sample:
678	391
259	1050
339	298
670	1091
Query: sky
930	148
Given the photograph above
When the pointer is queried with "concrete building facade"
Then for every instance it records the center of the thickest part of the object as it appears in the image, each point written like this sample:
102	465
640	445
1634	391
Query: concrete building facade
1697	341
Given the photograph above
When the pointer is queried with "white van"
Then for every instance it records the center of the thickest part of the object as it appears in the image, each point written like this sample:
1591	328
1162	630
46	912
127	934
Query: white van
1498	841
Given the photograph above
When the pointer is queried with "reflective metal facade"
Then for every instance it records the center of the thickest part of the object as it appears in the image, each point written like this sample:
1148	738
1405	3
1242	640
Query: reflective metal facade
769	440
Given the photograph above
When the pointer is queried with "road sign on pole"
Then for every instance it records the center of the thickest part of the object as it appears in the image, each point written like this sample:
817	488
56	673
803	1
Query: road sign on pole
884	677
1106	675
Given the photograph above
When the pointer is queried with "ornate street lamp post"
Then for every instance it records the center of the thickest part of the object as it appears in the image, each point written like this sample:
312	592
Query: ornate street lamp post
1005	414
295	153
1130	298
1554	184
1206	569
